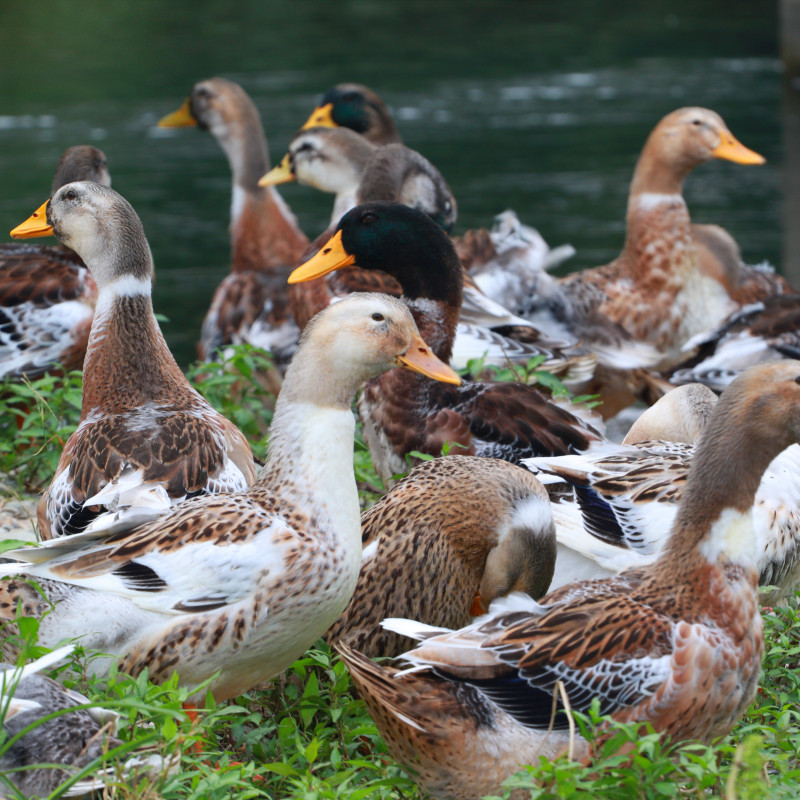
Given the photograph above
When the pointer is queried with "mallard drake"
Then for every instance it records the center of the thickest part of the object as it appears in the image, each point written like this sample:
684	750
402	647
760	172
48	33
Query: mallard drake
354	106
70	741
340	161
237	584
767	330
47	295
453	527
627	496
146	438
677	644
654	292
499	420
250	305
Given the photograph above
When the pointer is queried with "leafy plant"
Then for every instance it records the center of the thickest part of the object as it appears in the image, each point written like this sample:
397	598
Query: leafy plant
241	388
36	419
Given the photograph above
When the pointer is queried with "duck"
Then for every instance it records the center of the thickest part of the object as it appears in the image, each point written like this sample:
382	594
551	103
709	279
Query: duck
146	438
510	421
250	305
765	330
80	734
627	496
655	292
340	161
47	295
720	258
229	589
677	644
444	542
357	107
507	262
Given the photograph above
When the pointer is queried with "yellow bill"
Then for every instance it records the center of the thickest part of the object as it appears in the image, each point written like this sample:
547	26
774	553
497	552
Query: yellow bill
322	115
331	257
35	225
731	149
420	358
182	118
280	174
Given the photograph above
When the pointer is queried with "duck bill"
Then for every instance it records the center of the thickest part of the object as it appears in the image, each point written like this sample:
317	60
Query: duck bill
35	225
331	257
731	149
478	609
182	118
321	116
280	174
420	358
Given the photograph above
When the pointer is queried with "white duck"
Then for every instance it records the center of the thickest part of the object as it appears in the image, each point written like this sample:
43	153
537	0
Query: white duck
240	583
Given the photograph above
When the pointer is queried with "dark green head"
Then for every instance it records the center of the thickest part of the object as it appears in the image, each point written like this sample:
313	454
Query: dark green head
356	107
408	245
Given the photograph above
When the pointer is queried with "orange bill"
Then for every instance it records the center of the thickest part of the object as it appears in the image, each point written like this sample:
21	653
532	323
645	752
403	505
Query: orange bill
331	257
280	174
322	115
35	225
477	609
420	358
182	118
731	149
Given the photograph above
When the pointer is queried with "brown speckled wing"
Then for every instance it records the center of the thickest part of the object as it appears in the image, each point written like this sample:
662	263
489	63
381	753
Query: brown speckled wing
182	457
510	421
40	322
243	299
43	276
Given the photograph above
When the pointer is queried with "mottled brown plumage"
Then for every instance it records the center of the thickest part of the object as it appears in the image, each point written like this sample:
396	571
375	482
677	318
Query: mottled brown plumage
144	431
250	305
454	527
47	295
239	583
655	290
677	644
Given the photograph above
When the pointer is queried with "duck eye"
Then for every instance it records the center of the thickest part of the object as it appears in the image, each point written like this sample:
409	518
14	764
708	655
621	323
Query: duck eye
697	122
368	218
71	194
797	379
202	92
378	317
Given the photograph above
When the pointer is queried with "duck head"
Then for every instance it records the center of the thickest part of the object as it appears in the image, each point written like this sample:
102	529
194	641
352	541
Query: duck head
99	225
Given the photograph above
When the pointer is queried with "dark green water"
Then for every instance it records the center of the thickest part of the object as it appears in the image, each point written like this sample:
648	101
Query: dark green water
539	106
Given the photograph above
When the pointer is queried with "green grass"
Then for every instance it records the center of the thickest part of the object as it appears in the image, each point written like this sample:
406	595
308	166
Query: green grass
305	734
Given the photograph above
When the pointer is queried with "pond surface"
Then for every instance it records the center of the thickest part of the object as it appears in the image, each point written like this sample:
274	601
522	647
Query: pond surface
538	106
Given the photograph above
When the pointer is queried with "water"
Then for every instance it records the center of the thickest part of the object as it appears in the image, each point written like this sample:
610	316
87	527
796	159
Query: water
538	106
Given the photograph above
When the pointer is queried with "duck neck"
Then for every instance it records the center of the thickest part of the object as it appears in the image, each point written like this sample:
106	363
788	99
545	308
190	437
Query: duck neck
714	521
436	321
128	363
659	236
264	232
310	455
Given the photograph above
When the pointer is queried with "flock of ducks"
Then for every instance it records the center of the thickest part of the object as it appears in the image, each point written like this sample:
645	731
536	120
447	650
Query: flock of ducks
627	572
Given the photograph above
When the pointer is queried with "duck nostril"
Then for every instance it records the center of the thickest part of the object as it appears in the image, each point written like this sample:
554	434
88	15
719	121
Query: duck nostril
326	251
